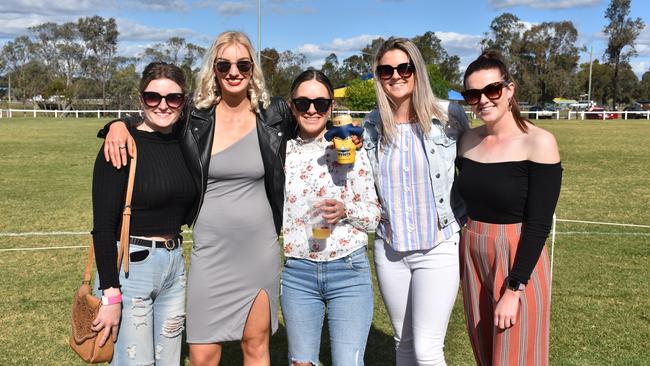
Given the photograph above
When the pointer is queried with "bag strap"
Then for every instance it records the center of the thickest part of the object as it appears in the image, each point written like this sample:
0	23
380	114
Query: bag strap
89	262
123	250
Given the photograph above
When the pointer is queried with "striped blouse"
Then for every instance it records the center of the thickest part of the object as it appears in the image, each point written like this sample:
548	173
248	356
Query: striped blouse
411	221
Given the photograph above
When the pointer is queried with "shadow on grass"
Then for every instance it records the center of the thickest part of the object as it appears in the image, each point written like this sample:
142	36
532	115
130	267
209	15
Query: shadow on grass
379	350
232	354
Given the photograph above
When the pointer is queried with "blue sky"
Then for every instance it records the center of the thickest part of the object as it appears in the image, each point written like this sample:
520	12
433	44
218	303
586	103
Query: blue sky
317	28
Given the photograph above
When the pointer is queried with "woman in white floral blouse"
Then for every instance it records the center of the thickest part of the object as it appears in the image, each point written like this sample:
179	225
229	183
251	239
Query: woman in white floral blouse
330	273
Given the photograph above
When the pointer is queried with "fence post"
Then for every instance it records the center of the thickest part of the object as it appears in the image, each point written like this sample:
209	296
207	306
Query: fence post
55	113
625	115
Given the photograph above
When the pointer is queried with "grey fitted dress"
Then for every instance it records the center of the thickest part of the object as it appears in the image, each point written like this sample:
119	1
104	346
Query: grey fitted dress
236	253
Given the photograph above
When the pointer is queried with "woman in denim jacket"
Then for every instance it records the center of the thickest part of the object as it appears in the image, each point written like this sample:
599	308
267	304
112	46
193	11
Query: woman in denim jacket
411	142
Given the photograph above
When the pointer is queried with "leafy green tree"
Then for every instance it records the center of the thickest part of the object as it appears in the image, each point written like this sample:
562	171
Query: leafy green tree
644	86
600	81
124	87
60	48
623	32
360	95
505	36
368	54
354	67
17	55
332	69
628	83
100	40
439	85
434	53
269	59
548	59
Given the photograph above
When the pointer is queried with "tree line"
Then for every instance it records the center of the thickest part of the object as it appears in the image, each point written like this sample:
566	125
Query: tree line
77	62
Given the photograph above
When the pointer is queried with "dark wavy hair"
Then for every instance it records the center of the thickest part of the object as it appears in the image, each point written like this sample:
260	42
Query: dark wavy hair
491	59
163	70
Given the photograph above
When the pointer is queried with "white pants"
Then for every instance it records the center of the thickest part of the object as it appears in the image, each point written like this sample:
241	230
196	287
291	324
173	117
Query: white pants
419	289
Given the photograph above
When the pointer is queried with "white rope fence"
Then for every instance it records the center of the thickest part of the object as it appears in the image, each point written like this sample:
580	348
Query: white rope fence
553	234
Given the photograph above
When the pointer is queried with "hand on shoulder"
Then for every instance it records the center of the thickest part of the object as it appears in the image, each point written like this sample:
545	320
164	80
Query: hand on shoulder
543	146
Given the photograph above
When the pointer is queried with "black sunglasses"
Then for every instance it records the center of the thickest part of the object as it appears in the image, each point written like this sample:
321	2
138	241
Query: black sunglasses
153	99
224	66
492	91
320	104
404	70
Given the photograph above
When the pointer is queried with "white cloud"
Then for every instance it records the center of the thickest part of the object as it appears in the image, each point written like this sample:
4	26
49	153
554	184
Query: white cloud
544	4
342	47
233	8
131	31
158	5
47	7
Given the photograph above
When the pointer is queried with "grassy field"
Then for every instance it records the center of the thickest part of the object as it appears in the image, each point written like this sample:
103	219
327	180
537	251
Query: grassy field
601	288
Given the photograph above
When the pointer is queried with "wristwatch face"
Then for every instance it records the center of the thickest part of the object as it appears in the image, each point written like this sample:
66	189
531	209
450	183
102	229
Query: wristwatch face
514	285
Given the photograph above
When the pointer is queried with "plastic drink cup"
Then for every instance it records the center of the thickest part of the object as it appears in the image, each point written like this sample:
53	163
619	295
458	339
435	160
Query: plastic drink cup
317	227
320	232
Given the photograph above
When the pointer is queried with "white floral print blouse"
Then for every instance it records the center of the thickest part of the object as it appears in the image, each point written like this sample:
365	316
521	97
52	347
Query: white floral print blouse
312	172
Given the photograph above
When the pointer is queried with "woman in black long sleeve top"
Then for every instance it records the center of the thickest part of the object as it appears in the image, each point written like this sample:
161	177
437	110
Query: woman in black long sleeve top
148	306
510	175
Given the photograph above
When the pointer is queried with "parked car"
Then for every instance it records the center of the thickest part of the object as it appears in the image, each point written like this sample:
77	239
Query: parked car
597	113
635	108
541	112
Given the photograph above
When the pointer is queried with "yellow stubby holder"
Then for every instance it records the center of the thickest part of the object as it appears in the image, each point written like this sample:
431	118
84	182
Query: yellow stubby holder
341	134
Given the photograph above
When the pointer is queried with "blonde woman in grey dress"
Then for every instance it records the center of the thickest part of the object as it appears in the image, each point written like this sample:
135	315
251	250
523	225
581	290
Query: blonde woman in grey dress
234	139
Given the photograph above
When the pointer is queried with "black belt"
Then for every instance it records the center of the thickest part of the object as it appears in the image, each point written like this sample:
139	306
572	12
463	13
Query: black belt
169	244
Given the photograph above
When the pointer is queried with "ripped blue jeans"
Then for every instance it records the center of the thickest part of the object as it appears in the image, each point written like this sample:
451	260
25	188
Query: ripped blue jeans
153	308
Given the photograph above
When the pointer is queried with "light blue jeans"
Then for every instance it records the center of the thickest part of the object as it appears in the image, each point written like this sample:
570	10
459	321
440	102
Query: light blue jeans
343	288
153	308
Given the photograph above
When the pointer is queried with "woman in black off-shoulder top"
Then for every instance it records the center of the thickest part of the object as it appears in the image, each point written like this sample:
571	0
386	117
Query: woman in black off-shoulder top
510	176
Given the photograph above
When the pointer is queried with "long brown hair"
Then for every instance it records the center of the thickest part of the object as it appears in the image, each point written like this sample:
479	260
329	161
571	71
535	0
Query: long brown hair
491	59
424	102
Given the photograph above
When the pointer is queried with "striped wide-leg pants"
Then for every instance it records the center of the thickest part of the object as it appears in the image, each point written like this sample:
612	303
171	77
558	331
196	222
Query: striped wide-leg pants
487	253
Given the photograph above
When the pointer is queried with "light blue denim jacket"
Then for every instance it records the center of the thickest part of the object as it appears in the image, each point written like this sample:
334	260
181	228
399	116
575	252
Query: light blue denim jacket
440	146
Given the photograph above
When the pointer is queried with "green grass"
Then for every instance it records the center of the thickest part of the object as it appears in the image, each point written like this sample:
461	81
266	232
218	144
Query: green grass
601	289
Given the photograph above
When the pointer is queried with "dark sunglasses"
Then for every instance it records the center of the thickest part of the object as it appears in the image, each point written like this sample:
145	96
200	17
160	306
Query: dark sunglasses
224	66
320	104
404	70
153	99
491	91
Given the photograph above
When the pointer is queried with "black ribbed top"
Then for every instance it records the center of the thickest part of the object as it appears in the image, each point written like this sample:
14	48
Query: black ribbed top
163	193
512	192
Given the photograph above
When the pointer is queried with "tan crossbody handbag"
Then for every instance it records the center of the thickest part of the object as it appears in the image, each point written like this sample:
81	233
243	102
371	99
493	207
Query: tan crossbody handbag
85	306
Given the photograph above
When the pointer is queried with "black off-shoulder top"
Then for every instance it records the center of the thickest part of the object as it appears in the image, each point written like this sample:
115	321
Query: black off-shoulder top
512	192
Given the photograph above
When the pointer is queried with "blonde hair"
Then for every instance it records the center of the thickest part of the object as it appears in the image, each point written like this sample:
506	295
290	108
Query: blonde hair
423	102
208	91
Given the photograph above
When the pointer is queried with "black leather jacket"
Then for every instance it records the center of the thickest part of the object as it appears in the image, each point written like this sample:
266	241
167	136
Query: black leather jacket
275	125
